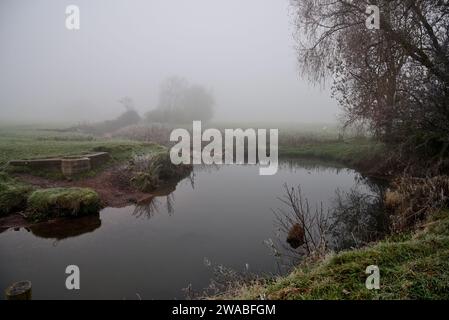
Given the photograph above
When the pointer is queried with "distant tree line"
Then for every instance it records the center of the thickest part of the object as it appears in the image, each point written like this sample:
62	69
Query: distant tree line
181	102
129	117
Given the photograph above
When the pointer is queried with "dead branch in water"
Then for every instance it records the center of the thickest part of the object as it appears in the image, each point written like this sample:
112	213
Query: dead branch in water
309	228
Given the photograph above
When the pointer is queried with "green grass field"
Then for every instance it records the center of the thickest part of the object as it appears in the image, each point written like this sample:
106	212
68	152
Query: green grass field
29	142
295	140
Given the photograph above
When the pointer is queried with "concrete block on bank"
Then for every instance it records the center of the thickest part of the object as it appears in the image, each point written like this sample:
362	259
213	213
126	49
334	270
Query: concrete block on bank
66	165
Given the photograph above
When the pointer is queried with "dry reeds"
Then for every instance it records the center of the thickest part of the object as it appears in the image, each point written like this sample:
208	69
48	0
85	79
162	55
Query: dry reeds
412	199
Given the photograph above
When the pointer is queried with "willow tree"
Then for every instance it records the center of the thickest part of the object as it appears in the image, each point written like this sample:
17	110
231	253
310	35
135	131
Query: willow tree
396	77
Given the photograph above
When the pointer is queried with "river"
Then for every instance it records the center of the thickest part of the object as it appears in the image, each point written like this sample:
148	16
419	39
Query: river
218	216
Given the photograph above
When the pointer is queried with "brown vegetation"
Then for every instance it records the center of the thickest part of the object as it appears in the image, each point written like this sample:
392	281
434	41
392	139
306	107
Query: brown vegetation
295	237
305	229
411	200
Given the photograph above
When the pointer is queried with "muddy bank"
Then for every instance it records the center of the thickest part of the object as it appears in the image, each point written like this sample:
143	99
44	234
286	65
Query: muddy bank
109	184
112	187
15	220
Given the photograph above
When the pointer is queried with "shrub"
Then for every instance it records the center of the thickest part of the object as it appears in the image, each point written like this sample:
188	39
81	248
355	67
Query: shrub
412	199
127	118
150	133
62	202
150	171
13	196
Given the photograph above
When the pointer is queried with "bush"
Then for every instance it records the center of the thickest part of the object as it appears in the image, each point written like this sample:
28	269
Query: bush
13	195
181	102
150	133
62	202
127	118
412	199
150	171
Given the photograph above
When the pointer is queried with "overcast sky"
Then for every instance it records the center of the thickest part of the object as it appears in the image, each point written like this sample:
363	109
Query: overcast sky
242	50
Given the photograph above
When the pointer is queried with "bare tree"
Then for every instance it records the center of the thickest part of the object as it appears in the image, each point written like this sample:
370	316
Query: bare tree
180	102
127	102
395	78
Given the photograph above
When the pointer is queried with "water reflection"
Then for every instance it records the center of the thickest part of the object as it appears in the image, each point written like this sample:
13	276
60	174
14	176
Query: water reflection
158	247
164	198
60	229
310	165
153	205
350	219
358	217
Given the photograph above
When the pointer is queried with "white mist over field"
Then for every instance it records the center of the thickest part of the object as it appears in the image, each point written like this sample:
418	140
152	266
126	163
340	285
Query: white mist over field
242	51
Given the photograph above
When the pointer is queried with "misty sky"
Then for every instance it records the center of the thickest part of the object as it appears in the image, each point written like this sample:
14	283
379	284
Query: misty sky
242	50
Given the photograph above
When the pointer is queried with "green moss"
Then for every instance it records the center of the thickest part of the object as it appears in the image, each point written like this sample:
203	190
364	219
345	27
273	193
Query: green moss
62	202
13	195
412	266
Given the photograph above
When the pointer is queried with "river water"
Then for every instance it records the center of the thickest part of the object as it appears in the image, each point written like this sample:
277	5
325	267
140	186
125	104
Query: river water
218	216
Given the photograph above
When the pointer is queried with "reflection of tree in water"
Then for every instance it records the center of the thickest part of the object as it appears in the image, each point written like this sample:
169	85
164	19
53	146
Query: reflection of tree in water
301	230
150	207
191	178
162	198
208	168
353	219
358	218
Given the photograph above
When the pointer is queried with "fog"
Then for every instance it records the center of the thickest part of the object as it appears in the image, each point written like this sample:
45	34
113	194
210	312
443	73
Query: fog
242	51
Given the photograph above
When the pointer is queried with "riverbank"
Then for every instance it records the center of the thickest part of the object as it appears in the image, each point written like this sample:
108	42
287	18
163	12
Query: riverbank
111	182
412	265
362	154
35	143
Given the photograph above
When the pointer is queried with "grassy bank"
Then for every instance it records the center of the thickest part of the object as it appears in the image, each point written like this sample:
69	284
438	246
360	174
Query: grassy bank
13	194
43	204
352	152
412	266
30	143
